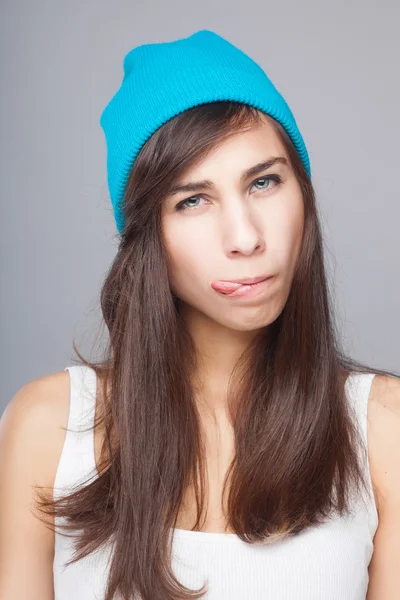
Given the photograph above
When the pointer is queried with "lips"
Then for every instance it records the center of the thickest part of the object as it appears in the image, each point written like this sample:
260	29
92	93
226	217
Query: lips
227	287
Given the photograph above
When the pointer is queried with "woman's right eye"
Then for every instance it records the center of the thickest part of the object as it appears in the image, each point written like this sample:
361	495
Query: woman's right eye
182	206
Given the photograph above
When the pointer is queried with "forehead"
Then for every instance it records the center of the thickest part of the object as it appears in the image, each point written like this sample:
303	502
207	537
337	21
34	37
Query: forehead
242	148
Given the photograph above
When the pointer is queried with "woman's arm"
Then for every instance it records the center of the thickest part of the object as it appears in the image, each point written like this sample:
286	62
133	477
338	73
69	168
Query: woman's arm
31	441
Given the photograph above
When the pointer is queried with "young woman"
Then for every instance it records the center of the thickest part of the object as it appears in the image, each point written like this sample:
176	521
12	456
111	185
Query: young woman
224	444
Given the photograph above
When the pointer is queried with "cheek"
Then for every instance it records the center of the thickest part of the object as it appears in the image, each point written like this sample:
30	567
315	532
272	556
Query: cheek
187	258
296	228
284	229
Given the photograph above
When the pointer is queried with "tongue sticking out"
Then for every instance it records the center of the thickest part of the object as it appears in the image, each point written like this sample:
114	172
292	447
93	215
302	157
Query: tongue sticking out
226	287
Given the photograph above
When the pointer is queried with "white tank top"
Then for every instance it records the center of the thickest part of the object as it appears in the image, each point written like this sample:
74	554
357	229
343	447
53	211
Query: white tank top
329	562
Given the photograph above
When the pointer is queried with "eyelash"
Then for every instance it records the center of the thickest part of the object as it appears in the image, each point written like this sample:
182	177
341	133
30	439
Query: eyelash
181	208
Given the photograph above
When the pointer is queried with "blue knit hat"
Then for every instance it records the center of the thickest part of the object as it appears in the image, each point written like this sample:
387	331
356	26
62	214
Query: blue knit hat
164	79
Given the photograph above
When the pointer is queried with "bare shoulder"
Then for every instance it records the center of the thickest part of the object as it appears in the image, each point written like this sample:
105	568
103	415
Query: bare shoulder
384	437
384	457
35	417
32	433
43	393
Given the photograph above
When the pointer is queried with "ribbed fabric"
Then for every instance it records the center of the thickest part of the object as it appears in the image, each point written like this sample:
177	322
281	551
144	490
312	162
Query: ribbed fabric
164	79
329	562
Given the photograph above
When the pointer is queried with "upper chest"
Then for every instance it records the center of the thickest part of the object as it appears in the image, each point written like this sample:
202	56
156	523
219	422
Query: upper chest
220	447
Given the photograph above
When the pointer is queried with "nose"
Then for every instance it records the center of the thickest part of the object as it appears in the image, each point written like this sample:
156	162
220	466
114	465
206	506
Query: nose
243	234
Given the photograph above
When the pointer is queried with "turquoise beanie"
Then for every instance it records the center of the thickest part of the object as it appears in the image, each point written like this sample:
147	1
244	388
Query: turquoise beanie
164	79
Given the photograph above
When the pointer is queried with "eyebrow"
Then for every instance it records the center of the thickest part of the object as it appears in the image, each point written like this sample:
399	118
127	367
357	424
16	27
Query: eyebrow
196	186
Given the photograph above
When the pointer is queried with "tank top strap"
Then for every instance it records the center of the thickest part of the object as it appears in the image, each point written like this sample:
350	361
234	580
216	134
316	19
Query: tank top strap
77	462
358	388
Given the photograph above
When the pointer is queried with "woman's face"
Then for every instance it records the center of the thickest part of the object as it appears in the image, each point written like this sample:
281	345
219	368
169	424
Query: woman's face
239	226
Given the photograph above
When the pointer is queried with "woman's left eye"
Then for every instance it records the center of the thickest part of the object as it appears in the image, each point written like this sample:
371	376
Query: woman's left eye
275	178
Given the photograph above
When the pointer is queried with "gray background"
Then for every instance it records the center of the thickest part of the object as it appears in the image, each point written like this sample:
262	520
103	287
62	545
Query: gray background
336	64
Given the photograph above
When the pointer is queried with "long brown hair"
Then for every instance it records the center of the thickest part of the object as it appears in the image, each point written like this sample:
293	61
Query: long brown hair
293	428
